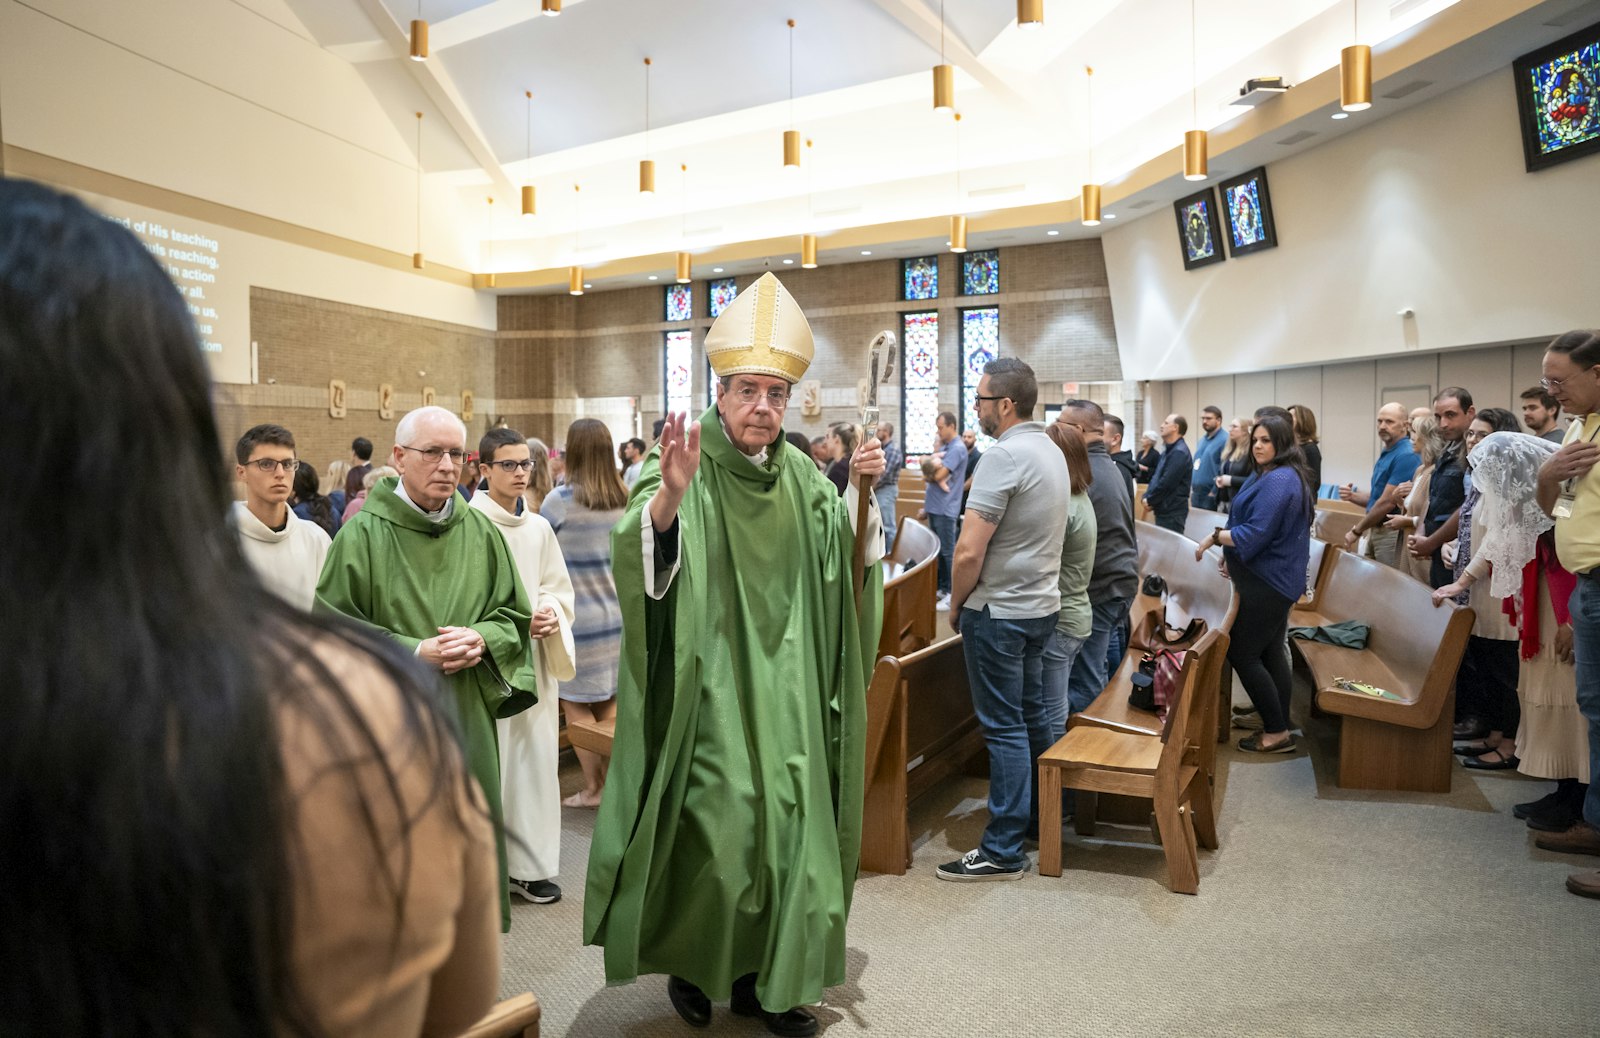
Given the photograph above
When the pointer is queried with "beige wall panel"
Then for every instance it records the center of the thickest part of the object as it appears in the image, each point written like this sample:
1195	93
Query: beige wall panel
1298	386
1253	389
1410	380
1349	447
1218	390
1486	374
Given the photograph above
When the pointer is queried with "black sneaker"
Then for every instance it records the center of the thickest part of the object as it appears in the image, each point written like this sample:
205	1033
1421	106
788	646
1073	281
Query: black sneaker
975	868
539	891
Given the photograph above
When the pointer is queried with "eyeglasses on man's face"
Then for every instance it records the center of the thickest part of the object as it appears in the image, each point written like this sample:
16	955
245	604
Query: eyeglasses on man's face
435	455
267	466
509	467
777	397
1557	383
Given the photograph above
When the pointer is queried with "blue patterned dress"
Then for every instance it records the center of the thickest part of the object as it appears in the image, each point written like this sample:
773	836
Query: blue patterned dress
585	538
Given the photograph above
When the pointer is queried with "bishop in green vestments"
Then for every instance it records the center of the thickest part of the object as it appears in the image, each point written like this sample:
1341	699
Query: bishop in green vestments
420	566
726	846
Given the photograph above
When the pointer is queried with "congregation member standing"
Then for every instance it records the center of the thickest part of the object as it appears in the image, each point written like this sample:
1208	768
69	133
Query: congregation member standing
726	848
221	815
1149	455
1396	464
360	465
1234	466
1266	548
582	512
941	502
1305	435
312	506
1112	440
841	449
1076	621
1207	459
632	454
888	484
1167	495
334	480
1453	410
419	565
285	550
530	790
1541	413
1114	573
1005	600
969	440
1569	492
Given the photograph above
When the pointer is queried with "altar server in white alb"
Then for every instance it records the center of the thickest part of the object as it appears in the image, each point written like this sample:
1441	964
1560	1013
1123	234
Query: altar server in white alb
528	741
285	550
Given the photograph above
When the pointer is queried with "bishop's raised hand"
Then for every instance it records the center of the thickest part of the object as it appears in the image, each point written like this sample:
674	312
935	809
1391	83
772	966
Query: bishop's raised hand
679	461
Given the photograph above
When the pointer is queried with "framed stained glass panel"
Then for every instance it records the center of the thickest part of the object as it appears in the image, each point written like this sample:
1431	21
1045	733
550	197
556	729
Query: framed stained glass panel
711	384
1558	99
1199	230
919	278
1247	213
678	365
980	273
680	302
721	293
980	343
919	382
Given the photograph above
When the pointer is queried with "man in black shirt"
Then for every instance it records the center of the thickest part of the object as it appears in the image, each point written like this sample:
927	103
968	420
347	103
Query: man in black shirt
1453	410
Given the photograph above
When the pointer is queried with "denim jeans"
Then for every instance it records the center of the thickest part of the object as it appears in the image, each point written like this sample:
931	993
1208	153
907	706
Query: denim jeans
1059	652
945	527
1005	674
885	496
1117	645
1585	605
1089	671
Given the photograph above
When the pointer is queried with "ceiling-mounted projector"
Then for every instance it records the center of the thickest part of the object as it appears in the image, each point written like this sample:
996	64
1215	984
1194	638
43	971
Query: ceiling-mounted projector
1259	91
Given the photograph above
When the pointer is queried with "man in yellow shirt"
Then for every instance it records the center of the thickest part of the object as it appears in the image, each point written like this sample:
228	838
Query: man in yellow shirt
1569	492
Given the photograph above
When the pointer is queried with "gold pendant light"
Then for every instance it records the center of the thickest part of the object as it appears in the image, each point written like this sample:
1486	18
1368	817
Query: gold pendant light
575	272
1089	196
683	274
528	207
1194	141
419	36
944	76
1030	14
416	257
647	166
1355	72
574	281
683	269
958	224
551	8
808	251
791	136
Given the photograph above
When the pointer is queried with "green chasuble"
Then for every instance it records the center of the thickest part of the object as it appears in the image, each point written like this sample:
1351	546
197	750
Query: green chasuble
394	569
728	837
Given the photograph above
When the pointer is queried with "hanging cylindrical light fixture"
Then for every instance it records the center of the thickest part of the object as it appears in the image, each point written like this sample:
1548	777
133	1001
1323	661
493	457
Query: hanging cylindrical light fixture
551	8
528	207
1355	71
1030	14
419	36
958	234
416	257
574	281
486	255
683	277
808	251
647	166
944	76
1089	196
647	176
683	274
791	136
1194	141
575	272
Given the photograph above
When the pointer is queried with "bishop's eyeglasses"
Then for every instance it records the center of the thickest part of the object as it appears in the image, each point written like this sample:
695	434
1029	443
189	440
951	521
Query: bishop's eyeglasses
777	397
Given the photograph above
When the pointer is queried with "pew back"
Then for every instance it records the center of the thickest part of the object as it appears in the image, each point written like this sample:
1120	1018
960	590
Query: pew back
910	597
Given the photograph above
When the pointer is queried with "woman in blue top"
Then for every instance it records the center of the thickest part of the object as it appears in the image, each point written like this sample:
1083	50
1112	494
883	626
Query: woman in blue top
1266	548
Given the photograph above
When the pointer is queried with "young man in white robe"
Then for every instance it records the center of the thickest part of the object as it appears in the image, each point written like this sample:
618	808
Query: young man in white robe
285	550
530	789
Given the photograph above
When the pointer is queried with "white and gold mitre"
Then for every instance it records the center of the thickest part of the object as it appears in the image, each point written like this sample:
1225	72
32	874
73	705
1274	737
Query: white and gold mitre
762	332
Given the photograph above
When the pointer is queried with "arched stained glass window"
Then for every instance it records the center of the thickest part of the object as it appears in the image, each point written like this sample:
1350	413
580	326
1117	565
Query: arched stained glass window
980	343
679	368
919	386
980	273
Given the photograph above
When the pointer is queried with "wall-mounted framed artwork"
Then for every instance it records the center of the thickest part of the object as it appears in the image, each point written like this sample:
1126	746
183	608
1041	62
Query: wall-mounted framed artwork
1199	231
1247	213
1558	99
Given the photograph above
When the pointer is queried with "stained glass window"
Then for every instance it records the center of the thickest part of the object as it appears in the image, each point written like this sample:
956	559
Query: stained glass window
919	387
679	371
680	302
721	294
980	273
921	277
980	343
711	384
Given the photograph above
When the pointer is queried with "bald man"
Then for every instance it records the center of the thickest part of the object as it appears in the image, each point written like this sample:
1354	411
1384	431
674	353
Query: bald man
1396	464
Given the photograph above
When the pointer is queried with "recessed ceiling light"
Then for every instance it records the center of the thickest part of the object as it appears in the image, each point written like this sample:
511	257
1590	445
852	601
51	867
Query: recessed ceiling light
587	285
866	252
788	261
1052	233
1110	216
1341	115
652	277
716	270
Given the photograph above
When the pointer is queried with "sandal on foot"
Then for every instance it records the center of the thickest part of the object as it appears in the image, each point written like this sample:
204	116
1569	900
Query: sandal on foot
1252	744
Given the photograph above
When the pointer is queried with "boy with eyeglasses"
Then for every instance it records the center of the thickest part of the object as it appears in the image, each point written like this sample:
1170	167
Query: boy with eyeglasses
530	791
285	550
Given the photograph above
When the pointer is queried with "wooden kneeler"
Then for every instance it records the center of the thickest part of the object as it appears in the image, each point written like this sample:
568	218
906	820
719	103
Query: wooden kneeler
1166	768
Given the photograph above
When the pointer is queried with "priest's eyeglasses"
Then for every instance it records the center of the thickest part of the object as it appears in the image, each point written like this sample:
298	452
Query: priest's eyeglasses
268	466
777	398
435	455
509	467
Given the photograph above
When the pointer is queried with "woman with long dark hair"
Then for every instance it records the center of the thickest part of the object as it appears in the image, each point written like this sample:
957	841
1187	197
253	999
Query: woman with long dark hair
310	505
582	512
220	816
1266	549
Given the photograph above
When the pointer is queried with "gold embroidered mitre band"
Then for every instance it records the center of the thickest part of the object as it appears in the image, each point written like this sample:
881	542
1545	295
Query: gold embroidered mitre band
762	332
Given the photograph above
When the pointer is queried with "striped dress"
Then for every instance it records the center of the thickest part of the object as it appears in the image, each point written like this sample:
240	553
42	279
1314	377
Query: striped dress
585	538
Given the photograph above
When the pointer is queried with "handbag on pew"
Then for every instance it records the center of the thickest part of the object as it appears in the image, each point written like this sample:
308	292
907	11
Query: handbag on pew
1155	684
1154	633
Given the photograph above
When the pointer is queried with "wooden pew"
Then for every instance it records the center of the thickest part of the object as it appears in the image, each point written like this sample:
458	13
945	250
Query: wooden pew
594	736
1201	521
516	1017
909	599
921	729
1413	651
1333	519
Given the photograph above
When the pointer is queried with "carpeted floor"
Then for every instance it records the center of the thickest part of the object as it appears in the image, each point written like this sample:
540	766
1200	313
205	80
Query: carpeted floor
1324	912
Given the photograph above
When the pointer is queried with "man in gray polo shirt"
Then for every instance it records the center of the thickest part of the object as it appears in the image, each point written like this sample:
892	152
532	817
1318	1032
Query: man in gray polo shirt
1004	599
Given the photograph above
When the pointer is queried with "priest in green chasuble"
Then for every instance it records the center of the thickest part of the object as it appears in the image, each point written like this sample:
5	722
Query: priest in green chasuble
419	565
726	846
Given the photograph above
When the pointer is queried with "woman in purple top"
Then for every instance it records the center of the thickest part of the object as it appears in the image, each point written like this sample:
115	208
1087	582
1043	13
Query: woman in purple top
1266	548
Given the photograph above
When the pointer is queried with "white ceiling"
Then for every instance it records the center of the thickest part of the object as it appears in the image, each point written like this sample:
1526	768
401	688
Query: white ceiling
719	101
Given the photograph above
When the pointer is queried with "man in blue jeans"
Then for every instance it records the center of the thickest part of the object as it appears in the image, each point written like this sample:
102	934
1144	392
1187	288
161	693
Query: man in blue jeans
1004	601
1569	492
942	507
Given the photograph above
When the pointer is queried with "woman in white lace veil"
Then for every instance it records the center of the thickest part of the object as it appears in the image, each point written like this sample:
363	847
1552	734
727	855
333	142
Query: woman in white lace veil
1505	468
